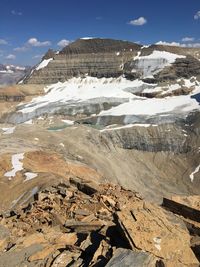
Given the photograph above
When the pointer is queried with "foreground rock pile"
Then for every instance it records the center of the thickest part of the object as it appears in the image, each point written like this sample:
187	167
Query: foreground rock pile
80	223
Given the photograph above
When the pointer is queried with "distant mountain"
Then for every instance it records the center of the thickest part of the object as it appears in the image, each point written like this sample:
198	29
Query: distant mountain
11	74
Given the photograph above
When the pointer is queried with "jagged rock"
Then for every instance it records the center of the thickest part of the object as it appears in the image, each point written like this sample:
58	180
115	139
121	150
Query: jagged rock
41	255
182	67
133	224
181	209
84	227
15	258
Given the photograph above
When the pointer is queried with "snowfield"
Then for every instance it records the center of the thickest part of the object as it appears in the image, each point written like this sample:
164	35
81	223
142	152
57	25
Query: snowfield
16	164
78	90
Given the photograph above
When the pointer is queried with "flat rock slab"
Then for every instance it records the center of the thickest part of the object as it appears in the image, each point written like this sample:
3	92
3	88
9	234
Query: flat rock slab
19	257
149	228
127	258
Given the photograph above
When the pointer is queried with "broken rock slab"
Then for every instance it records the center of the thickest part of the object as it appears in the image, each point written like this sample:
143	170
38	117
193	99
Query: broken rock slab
152	229
127	258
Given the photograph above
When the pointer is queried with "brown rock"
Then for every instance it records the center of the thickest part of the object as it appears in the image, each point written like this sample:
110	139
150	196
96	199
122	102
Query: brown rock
41	255
68	239
151	229
36	238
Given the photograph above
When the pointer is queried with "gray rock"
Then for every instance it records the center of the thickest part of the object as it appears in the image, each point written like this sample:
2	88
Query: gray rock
127	258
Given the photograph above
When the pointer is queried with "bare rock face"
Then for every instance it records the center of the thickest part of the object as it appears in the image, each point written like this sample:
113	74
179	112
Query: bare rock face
93	57
183	67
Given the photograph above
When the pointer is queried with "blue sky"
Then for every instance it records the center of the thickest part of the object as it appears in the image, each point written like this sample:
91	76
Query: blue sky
29	28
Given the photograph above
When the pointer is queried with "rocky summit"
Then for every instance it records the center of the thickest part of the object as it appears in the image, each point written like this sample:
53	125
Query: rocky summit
99	158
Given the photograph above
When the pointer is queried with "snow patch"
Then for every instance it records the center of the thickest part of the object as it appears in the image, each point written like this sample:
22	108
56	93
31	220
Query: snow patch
28	122
44	63
194	172
61	144
8	130
30	176
157	241
69	122
129	126
16	164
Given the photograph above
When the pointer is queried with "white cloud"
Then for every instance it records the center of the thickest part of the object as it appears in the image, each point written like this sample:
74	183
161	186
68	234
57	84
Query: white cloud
16	13
194	45
188	39
37	56
99	18
21	49
11	56
197	15
35	42
63	43
168	43
3	42
138	22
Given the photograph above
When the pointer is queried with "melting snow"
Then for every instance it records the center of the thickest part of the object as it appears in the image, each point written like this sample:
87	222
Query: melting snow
193	173
17	165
